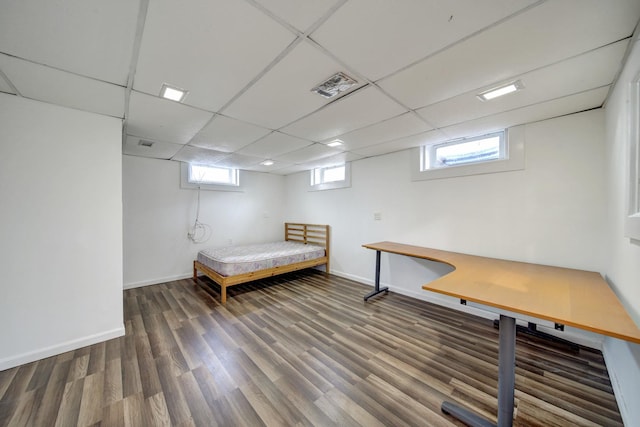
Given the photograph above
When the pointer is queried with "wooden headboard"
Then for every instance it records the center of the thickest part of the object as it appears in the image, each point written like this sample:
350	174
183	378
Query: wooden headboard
307	233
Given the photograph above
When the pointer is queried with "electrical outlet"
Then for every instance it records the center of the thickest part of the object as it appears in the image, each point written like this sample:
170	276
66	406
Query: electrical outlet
230	242
377	216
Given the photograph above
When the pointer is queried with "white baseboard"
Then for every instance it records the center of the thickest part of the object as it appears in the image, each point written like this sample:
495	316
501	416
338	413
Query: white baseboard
156	281
623	364
577	336
32	356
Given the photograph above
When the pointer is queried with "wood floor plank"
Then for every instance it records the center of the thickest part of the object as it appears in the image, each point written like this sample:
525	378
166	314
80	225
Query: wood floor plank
112	382
53	392
198	407
113	414
6	378
157	407
174	397
91	403
302	349
70	404
136	413
149	379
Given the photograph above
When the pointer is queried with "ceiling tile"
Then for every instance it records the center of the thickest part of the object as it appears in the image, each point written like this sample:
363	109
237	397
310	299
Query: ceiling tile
514	47
356	110
163	120
307	154
541	85
362	32
391	129
225	134
213	49
423	138
59	87
333	160
276	167
200	156
85	37
300	14
238	161
284	93
159	150
542	111
290	170
274	144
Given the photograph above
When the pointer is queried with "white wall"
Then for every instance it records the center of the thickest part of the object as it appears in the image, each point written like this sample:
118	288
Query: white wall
158	214
60	228
552	212
623	261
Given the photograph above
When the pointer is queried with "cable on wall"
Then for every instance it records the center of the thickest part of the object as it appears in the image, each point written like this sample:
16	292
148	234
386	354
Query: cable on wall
200	232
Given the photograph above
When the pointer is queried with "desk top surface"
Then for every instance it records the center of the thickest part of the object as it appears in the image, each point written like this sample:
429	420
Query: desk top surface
577	298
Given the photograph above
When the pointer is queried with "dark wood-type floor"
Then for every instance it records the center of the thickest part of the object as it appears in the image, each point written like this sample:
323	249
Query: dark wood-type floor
303	349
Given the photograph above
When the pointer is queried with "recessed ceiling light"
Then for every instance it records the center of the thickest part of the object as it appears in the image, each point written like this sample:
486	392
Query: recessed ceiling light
173	93
335	143
500	90
335	84
267	163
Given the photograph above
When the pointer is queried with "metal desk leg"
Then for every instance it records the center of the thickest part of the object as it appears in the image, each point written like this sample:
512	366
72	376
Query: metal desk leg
377	289
506	382
506	370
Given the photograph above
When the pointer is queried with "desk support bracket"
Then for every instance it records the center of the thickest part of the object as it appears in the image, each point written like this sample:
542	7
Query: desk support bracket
532	330
377	289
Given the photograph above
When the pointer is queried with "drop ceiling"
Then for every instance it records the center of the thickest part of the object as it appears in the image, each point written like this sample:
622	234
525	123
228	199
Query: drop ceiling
249	67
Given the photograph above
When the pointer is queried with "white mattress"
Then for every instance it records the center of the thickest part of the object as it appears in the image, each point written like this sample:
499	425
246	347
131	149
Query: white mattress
233	260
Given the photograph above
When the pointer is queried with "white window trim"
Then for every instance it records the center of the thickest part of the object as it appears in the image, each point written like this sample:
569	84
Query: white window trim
346	183
632	220
184	182
515	160
433	148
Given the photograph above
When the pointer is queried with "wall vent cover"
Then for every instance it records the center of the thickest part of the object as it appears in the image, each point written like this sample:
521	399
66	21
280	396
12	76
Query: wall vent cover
335	84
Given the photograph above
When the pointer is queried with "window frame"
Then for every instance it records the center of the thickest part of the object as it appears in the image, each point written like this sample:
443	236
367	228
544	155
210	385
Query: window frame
187	183
513	159
632	219
430	151
332	185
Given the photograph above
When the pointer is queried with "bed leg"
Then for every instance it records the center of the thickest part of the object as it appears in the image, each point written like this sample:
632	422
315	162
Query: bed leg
223	294
195	272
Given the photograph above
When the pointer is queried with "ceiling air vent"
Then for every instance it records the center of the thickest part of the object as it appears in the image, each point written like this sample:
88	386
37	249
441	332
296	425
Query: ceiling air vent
335	84
145	143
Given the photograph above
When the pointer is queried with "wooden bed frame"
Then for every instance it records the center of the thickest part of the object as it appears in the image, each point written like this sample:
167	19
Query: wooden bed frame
293	232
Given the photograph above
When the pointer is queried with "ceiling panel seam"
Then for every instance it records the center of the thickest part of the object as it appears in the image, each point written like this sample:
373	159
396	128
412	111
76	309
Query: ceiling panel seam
137	42
443	128
9	83
463	39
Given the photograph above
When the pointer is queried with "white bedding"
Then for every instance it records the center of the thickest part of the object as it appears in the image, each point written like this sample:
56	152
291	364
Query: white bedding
233	260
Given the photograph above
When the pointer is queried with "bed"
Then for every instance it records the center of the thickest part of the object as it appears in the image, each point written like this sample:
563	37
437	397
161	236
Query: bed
304	246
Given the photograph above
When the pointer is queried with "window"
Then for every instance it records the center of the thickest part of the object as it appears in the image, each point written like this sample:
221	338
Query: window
210	177
202	174
490	153
463	152
330	177
328	174
632	221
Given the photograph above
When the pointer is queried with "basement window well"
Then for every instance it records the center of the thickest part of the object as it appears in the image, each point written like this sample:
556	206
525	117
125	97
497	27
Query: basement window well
499	151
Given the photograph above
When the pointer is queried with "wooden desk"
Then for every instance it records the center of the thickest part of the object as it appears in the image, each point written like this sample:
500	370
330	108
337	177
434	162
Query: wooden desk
576	298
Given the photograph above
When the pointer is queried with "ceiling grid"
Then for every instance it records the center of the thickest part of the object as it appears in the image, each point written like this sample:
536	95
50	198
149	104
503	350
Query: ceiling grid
249	67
